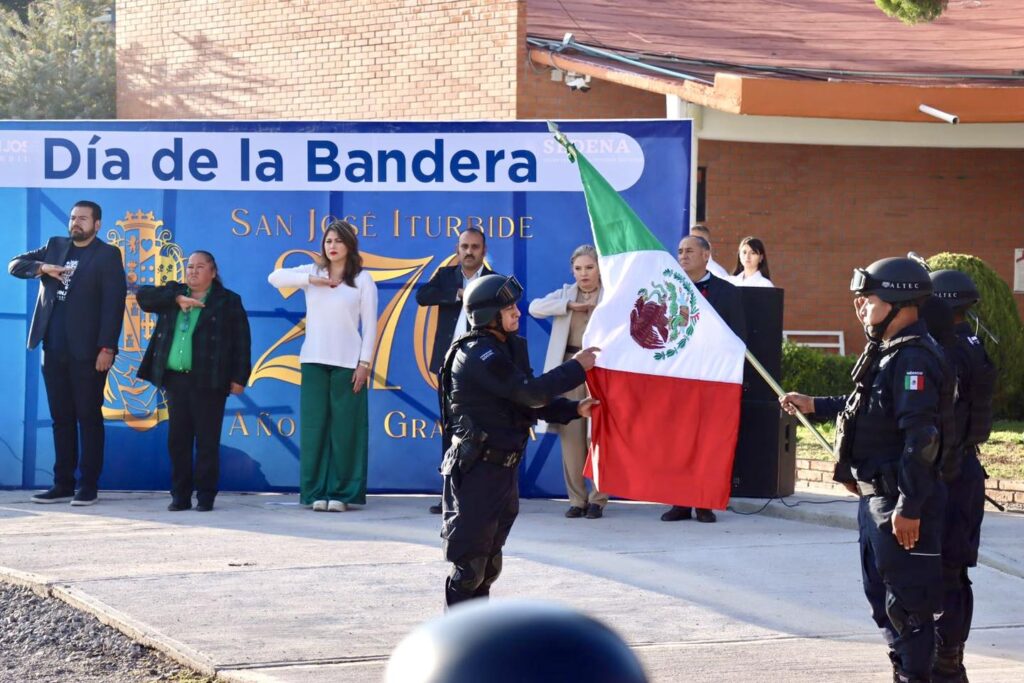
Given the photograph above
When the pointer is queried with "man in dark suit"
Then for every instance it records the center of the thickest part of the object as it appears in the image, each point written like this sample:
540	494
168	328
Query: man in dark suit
78	317
444	290
694	254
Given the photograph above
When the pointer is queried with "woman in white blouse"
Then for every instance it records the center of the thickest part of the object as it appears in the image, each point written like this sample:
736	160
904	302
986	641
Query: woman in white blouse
751	265
570	307
341	327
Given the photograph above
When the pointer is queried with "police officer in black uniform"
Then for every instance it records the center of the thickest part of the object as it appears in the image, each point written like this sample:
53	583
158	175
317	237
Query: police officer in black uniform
889	436
491	399
963	474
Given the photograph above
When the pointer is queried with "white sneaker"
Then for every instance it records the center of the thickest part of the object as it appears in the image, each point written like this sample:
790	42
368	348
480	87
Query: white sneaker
320	506
337	506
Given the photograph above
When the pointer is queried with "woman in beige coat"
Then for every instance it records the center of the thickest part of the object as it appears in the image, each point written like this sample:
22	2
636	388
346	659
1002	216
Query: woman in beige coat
569	308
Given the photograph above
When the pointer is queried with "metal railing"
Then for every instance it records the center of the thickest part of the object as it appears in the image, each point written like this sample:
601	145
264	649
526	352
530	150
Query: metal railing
811	336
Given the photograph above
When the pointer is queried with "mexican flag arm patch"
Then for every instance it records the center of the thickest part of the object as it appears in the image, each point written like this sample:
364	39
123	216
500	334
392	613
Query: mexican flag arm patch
914	381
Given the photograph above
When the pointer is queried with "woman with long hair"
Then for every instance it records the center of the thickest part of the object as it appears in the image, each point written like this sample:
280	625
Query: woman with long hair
751	264
198	354
341	327
570	307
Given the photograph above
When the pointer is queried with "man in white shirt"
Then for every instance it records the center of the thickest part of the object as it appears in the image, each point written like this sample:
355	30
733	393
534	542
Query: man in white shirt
444	290
713	266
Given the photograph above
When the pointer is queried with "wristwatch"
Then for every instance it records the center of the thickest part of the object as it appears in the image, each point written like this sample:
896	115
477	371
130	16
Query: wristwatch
107	349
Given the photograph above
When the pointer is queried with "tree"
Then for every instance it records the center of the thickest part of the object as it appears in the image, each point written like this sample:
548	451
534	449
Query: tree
59	64
913	11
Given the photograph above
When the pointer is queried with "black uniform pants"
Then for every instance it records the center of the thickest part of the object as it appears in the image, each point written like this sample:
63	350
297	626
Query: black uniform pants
479	508
903	587
195	418
74	392
960	540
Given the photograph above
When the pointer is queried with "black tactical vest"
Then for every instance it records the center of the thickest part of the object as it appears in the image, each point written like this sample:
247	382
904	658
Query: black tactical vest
877	436
974	411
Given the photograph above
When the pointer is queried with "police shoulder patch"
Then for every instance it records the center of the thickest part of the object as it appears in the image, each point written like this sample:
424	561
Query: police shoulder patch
913	381
497	364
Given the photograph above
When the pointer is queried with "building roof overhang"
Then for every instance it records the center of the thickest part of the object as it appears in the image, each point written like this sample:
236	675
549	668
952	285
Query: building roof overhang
838	59
755	94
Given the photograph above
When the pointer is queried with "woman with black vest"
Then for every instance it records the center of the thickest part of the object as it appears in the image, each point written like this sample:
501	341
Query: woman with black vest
198	354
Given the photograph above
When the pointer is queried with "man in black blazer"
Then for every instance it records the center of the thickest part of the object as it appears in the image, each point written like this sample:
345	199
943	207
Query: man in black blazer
78	317
444	290
694	254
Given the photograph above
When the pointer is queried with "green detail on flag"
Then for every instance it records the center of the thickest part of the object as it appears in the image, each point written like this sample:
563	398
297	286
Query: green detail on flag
616	226
681	316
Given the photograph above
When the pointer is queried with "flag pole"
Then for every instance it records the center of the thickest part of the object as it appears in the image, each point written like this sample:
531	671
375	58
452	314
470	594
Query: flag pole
781	392
570	148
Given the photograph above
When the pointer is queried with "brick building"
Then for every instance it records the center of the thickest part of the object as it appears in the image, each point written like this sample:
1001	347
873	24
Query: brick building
809	132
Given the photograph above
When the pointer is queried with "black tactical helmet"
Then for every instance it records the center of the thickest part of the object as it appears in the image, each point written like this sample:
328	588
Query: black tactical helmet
955	287
895	280
487	295
513	641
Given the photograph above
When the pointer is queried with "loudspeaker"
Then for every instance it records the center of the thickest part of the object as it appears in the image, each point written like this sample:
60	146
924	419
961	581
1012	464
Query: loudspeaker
762	309
765	464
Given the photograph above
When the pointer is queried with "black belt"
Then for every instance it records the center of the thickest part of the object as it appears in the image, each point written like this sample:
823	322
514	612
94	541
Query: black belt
572	349
497	456
876	487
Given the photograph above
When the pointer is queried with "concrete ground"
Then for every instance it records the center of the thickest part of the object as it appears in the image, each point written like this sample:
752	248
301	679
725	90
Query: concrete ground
264	590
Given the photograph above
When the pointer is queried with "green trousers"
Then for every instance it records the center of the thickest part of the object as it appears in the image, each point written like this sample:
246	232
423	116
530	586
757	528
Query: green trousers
334	436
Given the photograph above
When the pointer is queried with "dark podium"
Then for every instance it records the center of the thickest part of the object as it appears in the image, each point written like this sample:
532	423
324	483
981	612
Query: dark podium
765	464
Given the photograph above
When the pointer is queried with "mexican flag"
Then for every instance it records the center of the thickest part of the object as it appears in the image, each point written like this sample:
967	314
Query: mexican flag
669	372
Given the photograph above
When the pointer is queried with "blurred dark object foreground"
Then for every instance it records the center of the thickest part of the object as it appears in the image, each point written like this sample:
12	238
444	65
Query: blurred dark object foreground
513	640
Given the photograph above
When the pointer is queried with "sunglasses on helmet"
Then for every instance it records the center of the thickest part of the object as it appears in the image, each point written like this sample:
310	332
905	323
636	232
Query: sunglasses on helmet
862	281
510	292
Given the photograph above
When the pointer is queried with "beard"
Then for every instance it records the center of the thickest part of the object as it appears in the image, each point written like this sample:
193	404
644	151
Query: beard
81	235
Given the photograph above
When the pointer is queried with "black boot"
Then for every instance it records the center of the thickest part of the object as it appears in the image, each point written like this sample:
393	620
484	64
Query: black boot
949	665
898	674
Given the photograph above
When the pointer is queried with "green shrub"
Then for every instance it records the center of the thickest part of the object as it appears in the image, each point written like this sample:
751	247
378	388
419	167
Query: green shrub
913	11
998	311
815	372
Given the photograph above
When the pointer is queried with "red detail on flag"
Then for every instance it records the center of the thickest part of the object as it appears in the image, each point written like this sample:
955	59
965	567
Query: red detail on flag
664	439
648	324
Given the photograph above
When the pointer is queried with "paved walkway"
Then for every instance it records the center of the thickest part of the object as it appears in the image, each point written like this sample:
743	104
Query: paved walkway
263	590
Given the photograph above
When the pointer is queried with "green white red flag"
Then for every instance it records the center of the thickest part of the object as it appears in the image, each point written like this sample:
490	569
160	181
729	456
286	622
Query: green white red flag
669	373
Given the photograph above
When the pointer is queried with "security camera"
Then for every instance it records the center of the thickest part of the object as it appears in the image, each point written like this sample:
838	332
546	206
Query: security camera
577	82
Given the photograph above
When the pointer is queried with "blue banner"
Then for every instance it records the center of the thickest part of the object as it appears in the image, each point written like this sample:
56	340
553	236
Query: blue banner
258	195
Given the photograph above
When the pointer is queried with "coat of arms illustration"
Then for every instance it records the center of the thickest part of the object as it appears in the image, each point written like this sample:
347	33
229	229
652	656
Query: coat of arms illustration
150	258
665	315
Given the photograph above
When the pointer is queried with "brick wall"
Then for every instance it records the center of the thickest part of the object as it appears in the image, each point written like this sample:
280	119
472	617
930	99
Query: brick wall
817	476
823	210
318	59
538	97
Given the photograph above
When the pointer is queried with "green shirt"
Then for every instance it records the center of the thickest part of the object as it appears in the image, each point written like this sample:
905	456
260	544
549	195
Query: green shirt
180	357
